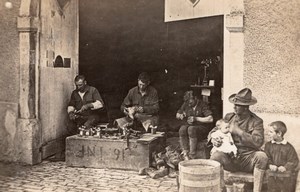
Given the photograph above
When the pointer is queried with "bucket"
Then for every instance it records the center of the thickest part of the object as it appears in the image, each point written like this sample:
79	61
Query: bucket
201	175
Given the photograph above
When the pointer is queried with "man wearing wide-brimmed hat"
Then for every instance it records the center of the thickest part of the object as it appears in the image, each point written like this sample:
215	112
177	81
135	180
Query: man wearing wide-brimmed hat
248	135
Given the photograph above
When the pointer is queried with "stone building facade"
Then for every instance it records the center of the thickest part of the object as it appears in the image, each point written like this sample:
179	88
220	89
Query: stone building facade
261	44
32	104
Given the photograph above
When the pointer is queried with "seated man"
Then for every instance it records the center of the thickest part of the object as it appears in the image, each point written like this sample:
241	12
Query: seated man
140	105
248	135
198	117
84	106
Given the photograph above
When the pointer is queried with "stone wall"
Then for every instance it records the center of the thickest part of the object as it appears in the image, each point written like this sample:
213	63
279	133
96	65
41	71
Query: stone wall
272	46
34	94
9	80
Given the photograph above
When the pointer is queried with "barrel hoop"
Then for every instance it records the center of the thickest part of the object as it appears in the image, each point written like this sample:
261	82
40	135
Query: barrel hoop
203	166
204	171
199	177
199	183
200	162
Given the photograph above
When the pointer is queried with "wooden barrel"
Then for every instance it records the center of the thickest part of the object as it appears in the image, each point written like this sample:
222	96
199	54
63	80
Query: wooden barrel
201	175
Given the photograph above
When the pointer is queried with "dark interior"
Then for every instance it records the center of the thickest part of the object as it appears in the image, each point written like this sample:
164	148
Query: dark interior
121	38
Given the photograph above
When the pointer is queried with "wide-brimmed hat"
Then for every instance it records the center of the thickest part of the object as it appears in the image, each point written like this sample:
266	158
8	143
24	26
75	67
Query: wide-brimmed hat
243	97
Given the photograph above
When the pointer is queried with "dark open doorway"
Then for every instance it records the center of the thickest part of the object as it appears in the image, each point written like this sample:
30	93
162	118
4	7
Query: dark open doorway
121	38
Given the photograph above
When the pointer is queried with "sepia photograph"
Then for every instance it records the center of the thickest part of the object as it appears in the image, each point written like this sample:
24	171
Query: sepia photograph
149	95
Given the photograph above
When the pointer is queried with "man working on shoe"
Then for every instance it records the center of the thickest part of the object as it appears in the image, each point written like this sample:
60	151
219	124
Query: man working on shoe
84	106
198	117
248	136
140	105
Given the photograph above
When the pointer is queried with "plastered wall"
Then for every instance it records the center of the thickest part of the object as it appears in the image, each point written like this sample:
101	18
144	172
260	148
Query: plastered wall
272	47
271	64
9	52
59	36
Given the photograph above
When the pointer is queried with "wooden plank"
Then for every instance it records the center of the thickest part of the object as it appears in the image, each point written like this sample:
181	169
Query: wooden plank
53	147
148	137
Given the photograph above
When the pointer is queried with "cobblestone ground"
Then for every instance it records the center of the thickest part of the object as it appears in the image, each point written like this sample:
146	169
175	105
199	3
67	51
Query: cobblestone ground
56	176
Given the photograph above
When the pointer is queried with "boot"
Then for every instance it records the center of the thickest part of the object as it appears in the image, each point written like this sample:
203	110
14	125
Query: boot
184	155
161	172
193	147
159	159
146	170
172	157
184	143
258	175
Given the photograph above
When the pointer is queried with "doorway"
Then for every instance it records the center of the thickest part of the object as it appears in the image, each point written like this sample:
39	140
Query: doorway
120	38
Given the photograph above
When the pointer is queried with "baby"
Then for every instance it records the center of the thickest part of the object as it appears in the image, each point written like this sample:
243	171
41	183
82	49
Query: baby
223	134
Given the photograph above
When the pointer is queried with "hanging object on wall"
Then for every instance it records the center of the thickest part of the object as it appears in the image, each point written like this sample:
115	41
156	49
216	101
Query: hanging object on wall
62	3
194	2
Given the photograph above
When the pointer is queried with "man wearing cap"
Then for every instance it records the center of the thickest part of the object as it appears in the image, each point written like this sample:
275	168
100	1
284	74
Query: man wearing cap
198	118
248	134
140	105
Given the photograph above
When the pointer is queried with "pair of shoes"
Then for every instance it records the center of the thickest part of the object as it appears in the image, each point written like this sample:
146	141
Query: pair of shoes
146	170
161	172
172	157
158	160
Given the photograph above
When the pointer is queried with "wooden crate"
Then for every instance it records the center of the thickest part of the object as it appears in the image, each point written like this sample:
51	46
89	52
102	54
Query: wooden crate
108	153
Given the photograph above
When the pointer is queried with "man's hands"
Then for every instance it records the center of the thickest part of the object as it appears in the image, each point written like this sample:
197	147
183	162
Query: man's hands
273	167
131	111
72	116
84	108
280	169
235	129
217	142
180	116
191	120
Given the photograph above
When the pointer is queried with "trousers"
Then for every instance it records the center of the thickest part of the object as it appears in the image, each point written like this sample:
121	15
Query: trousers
245	162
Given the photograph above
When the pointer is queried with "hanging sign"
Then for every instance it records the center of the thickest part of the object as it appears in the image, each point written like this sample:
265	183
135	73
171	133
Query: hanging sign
194	2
